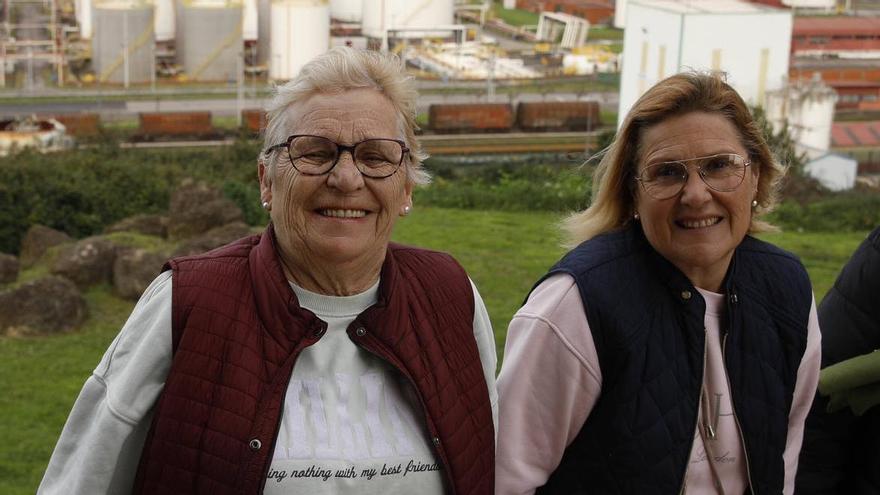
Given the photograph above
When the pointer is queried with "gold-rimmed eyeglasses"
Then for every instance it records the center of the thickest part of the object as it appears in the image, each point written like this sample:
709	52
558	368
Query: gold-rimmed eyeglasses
316	155
723	172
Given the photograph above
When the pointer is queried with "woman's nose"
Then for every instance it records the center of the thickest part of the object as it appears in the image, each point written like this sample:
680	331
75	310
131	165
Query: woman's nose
695	190
345	176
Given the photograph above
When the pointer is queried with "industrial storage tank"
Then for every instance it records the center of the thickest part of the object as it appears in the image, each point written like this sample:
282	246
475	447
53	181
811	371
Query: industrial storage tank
807	108
300	31
163	19
382	15
250	20
264	23
122	42
209	44
83	14
347	10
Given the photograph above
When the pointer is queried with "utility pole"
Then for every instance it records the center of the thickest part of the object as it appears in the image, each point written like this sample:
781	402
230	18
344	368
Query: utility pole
125	48
239	94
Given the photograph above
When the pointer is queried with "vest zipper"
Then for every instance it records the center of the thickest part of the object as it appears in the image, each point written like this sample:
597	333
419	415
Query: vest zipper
742	438
397	365
687	466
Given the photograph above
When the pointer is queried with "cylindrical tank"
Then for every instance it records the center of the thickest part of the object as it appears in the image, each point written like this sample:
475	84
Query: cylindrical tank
347	10
83	14
122	42
264	23
808	109
300	31
209	44
249	20
381	15
163	21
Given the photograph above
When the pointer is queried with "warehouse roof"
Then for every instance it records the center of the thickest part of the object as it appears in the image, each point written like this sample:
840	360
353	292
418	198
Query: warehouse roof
835	25
855	134
708	6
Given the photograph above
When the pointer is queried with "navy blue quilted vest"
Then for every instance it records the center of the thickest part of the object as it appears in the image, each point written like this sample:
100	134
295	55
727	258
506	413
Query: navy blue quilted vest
647	322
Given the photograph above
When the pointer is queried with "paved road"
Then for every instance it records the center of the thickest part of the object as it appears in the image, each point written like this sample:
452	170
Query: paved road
120	110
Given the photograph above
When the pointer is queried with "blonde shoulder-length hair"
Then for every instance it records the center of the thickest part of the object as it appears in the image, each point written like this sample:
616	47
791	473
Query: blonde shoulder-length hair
613	201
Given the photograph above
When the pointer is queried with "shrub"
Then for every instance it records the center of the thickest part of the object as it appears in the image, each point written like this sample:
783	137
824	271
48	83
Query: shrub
840	212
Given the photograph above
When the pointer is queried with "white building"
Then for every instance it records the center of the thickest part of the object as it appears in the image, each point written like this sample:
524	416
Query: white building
836	172
750	42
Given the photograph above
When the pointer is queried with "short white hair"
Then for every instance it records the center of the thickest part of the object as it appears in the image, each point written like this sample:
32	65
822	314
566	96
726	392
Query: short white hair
341	69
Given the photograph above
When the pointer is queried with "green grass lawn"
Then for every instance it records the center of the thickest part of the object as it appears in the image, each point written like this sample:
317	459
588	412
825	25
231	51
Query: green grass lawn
503	252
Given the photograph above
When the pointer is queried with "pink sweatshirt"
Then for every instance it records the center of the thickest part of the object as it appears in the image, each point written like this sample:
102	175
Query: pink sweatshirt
551	377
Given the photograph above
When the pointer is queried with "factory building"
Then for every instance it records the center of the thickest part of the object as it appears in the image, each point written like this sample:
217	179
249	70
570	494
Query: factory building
664	37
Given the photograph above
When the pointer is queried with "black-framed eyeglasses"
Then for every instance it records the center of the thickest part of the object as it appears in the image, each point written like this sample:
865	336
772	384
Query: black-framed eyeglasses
315	155
723	172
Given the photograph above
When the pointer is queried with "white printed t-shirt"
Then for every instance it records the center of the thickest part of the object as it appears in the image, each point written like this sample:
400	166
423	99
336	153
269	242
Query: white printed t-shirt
355	417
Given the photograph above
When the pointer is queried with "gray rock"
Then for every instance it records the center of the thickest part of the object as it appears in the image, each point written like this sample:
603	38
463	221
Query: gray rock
47	305
213	238
9	266
86	262
156	225
196	207
37	241
133	271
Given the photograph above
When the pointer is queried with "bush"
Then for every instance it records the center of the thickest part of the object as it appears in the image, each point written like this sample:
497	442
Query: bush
82	191
513	184
839	212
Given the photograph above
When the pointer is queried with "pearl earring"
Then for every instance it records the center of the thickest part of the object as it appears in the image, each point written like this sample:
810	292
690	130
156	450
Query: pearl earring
635	216
266	205
754	203
406	210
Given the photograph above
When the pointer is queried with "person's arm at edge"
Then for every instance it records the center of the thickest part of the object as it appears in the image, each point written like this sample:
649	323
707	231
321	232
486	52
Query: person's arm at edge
100	446
549	383
805	389
485	338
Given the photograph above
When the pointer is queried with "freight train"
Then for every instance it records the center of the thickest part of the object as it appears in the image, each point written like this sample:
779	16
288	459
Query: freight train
467	118
557	116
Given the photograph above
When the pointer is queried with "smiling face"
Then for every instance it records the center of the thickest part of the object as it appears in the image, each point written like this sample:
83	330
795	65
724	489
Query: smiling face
342	219
698	229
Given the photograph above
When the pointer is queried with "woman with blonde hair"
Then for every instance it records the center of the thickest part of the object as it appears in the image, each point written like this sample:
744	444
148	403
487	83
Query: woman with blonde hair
669	351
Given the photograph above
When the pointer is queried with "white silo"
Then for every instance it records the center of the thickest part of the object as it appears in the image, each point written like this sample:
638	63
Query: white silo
164	19
123	42
414	19
249	20
209	43
347	10
811	4
83	14
264	34
300	31
807	107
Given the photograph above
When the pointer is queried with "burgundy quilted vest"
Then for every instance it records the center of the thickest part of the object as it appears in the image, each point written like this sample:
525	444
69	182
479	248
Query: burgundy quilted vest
237	331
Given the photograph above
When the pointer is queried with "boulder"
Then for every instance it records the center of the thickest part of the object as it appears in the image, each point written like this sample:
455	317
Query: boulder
213	238
47	305
133	271
156	225
86	262
196	208
37	241
8	268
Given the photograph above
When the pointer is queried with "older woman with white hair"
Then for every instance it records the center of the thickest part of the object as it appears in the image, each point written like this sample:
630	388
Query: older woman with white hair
317	357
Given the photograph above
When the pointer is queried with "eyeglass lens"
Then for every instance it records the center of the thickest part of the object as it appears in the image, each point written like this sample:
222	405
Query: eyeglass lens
374	157
722	173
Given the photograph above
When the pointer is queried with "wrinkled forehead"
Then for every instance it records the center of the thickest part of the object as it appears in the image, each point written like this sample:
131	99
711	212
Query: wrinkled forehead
348	117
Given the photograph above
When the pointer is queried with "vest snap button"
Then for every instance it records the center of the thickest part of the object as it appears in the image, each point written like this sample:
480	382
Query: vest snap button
255	444
361	331
686	295
734	299
436	441
319	331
